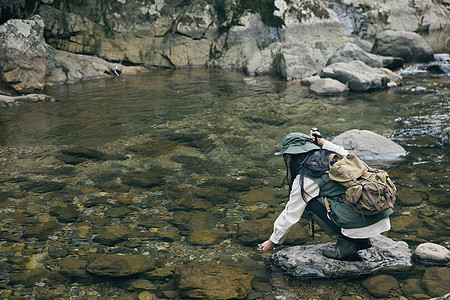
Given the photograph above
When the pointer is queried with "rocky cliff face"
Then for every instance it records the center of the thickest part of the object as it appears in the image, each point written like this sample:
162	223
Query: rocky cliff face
293	39
226	33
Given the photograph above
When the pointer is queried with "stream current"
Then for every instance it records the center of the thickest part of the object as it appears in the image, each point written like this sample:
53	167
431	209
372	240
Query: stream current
180	155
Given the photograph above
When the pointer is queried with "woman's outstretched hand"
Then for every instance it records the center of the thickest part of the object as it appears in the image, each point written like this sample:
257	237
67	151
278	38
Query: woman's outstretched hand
267	245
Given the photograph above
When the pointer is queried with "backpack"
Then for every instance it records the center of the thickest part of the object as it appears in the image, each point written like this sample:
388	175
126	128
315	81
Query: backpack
369	191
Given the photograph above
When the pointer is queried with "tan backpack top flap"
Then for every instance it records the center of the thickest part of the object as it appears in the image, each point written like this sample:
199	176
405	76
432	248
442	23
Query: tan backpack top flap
340	170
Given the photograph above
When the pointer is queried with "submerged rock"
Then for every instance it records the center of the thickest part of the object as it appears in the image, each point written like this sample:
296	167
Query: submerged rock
413	286
41	231
208	280
120	265
256	231
436	281
143	179
380	286
308	262
203	238
113	234
369	145
73	267
155	148
65	214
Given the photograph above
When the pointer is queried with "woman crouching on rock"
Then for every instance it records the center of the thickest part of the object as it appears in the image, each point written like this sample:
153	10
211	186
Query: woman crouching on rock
307	162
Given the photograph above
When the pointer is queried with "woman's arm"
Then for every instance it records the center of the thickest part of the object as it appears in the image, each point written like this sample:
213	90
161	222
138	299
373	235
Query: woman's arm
327	144
292	212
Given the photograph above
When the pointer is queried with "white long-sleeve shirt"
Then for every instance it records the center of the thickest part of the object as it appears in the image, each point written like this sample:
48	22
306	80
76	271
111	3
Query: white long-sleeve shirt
296	206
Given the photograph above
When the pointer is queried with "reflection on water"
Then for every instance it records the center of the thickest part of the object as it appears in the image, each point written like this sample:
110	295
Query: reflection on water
184	158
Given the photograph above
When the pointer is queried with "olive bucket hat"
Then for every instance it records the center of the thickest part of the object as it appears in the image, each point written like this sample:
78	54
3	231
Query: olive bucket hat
297	142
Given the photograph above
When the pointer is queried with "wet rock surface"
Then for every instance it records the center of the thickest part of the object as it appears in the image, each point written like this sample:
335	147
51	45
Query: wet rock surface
24	58
408	45
432	254
380	286
120	265
112	235
213	281
436	281
308	261
328	86
359	76
350	52
6	101
369	145
72	68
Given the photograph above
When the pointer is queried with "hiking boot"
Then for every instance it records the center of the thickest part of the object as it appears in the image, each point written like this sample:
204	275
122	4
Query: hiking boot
344	250
363	243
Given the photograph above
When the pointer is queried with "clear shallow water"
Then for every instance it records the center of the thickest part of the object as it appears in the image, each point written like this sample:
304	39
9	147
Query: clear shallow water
212	139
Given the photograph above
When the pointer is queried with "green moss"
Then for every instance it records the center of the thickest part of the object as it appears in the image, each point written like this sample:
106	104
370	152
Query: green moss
78	2
319	45
306	10
96	14
265	8
363	8
221	7
236	8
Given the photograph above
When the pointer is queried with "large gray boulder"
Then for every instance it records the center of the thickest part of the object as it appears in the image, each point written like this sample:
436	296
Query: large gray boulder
350	52
311	33
327	86
369	145
357	75
408	45
432	254
401	15
307	262
262	62
24	58
243	41
298	60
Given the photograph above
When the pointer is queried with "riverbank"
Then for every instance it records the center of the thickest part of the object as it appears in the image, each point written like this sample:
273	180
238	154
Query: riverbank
67	44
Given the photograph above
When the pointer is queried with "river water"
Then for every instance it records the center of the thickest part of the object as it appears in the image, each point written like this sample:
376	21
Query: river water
182	153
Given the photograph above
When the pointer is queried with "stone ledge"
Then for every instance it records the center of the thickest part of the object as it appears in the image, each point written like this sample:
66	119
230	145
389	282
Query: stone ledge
307	262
